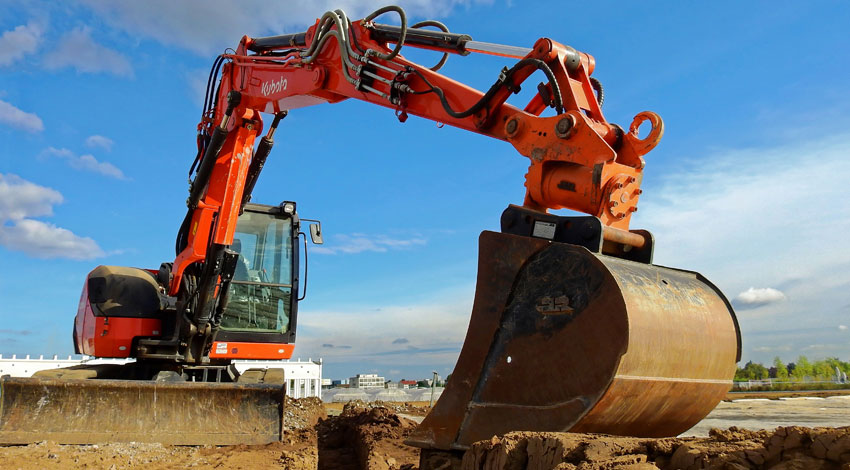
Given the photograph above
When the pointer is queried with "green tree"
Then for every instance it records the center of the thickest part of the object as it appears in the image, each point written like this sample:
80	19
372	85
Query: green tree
804	368
751	371
781	369
823	370
791	368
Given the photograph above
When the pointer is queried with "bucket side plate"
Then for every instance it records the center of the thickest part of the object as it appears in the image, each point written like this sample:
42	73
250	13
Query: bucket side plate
682	355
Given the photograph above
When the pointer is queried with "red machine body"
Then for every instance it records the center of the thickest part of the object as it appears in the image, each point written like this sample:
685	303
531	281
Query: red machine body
103	336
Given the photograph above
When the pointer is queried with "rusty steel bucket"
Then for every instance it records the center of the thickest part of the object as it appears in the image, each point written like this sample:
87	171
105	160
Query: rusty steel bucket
562	339
74	411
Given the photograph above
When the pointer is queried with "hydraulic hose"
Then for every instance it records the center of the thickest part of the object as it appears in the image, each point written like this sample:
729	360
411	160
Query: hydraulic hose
212	150
402	36
443	28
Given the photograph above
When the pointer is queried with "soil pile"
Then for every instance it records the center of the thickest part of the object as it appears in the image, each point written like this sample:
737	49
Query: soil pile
302	413
786	448
404	407
365	437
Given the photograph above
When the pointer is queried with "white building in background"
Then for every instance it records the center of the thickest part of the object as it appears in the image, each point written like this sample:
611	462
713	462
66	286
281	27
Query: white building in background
303	378
366	381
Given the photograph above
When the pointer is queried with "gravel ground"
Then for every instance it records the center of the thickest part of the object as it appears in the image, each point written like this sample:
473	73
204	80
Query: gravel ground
369	436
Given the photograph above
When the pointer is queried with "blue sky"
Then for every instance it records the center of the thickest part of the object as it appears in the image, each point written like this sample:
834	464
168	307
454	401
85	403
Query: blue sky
99	103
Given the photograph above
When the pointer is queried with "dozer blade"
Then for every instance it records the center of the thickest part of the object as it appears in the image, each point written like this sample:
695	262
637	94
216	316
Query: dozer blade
561	339
73	411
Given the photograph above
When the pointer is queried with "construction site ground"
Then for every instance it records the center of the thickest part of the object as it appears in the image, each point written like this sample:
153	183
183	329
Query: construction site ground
804	432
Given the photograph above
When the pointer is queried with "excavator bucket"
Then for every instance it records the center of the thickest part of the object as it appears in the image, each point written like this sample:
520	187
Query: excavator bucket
563	339
76	411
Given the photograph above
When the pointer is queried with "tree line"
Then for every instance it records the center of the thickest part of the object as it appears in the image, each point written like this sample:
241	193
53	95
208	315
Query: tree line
801	370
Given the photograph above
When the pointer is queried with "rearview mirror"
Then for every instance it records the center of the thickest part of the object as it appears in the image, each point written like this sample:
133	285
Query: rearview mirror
316	233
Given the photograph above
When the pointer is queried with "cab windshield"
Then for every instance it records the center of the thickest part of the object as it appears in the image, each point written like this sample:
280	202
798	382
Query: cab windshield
261	290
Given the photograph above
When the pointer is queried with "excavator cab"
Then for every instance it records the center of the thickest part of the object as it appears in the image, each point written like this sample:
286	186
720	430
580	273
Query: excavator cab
261	307
124	312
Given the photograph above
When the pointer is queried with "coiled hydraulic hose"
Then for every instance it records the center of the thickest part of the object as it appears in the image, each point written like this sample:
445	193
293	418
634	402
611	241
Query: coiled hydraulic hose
400	43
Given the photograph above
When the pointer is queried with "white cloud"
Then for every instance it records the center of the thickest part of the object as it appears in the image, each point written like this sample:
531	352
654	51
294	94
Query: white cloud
359	243
210	26
19	201
397	334
17	43
753	297
842	327
100	141
43	240
754	214
86	163
784	348
18	119
78	50
89	163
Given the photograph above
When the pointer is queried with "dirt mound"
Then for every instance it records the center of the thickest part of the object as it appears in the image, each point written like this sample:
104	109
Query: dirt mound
365	437
404	407
785	448
302	413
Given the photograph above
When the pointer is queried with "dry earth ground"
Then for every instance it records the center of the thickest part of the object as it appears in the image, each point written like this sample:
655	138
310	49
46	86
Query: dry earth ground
370	436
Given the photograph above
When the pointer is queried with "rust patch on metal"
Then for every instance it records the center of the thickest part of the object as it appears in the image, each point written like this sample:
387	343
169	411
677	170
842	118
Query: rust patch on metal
567	185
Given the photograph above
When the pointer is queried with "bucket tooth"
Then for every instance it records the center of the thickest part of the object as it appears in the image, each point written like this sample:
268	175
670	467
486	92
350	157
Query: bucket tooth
562	339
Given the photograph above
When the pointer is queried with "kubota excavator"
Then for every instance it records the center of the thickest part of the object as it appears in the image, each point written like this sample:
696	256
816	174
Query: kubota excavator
573	328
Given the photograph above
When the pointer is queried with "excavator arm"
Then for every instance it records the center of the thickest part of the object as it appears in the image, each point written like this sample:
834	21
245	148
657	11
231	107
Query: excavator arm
577	159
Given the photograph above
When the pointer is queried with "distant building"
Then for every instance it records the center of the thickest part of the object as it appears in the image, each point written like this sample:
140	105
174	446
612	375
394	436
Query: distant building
366	381
406	383
390	384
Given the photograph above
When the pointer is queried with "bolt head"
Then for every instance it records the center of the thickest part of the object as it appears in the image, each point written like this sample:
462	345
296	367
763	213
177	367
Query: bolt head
512	126
564	126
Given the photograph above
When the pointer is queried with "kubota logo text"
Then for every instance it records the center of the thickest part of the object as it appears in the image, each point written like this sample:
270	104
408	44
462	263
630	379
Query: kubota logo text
273	86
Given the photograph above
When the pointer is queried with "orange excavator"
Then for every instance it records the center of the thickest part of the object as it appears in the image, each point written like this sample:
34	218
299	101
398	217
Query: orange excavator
573	328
